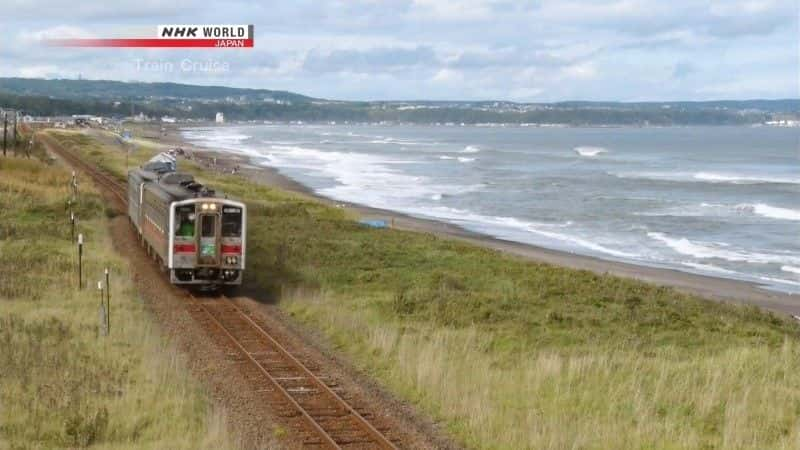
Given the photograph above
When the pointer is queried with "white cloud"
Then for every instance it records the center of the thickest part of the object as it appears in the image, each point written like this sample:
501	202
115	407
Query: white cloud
42	71
367	49
582	71
447	76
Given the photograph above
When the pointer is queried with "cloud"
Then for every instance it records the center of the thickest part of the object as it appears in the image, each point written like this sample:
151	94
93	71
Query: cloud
370	60
683	69
582	71
447	76
469	49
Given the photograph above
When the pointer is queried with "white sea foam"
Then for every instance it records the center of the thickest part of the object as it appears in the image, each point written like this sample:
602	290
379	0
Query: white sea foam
269	142
516	229
708	177
773	212
791	269
705	250
780	281
364	178
708	268
465	160
743	178
589	151
446	157
722	210
471	149
220	138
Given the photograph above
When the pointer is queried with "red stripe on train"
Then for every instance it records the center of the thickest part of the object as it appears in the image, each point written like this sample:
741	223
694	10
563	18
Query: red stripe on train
185	248
237	249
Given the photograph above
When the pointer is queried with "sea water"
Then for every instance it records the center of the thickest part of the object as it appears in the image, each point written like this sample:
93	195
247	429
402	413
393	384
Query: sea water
722	201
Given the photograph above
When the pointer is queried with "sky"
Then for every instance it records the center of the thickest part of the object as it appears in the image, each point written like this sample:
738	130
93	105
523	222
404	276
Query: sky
527	51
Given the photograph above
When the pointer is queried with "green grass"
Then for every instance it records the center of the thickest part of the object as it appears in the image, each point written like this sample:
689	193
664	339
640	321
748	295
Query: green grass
63	386
510	353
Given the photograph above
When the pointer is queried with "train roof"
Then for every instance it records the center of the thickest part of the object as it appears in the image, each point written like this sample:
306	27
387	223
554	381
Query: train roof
169	184
177	186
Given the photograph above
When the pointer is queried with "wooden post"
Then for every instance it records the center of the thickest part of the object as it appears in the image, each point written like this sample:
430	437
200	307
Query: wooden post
102	313
74	186
80	261
108	304
72	226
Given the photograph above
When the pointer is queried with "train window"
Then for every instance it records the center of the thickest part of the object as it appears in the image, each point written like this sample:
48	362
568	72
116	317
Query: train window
185	219
208	226
231	222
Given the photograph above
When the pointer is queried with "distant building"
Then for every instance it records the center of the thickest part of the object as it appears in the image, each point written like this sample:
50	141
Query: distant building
84	119
220	118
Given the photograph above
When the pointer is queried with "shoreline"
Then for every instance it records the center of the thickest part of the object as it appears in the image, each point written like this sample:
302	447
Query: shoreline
714	288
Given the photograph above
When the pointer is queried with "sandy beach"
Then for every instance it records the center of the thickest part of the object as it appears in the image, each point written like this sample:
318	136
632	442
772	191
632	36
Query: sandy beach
720	289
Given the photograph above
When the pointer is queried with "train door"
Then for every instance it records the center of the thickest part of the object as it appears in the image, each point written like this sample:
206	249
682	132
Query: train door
208	251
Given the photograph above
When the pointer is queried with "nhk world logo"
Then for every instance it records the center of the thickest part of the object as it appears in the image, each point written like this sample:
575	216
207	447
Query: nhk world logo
174	36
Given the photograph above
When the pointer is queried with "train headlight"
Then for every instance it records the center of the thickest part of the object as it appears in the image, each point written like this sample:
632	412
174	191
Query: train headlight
213	206
205	206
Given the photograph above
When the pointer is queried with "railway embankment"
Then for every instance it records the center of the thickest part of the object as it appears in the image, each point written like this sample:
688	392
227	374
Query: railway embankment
65	383
510	353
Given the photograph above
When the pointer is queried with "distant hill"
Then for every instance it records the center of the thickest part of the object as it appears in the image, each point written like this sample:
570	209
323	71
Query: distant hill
119	90
118	99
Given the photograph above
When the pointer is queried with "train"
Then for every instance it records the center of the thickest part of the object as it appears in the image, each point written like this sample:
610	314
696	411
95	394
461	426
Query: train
197	235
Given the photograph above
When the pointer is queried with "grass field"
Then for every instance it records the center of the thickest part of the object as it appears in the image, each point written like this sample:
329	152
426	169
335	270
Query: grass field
62	385
514	354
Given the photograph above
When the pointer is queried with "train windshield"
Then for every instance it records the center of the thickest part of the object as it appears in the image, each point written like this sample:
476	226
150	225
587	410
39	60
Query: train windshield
184	217
231	222
208	226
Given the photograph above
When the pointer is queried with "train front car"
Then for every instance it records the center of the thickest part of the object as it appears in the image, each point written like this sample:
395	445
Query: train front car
207	241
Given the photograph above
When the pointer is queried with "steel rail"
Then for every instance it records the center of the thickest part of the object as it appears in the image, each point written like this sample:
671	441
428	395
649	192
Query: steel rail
377	436
309	420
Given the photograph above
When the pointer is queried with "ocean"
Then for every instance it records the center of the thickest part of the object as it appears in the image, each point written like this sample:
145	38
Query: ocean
721	201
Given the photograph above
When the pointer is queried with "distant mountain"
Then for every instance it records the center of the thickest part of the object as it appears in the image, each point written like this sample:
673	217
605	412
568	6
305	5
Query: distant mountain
119	90
119	99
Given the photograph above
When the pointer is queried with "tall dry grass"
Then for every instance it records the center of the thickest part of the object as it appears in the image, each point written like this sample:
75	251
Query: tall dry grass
63	385
745	397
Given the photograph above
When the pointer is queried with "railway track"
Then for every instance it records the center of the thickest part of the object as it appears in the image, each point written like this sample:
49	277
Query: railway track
304	397
308	402
100	177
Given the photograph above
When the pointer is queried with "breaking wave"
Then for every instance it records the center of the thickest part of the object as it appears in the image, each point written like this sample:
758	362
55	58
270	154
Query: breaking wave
708	177
773	212
589	151
704	250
